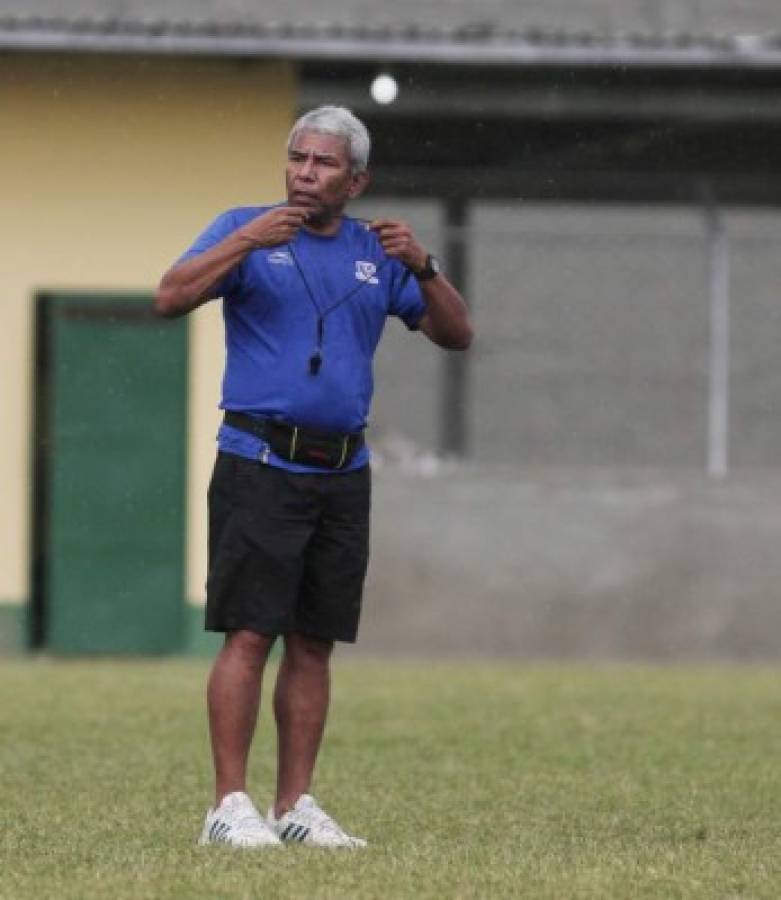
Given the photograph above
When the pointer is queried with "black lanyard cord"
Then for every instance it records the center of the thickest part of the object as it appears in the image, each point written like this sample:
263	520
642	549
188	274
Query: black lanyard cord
316	359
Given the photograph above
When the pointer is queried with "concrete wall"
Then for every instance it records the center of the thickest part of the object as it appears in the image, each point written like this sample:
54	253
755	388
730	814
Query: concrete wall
574	564
111	166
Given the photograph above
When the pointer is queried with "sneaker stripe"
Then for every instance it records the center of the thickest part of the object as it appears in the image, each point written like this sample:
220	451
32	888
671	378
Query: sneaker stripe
295	832
219	831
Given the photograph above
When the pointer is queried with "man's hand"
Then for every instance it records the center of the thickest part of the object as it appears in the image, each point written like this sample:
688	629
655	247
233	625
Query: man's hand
446	320
277	226
187	285
399	241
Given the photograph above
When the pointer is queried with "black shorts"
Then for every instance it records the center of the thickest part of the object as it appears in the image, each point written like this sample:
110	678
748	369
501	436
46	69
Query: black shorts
287	552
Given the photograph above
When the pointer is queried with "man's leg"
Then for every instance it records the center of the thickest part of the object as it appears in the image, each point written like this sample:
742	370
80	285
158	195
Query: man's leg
301	701
233	697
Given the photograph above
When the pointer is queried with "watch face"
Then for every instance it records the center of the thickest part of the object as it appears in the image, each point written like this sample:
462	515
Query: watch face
433	264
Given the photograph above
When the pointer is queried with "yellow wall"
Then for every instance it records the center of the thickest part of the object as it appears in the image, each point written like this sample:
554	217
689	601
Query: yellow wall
110	167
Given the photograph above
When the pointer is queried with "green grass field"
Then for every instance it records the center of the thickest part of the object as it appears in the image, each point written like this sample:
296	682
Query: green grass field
471	780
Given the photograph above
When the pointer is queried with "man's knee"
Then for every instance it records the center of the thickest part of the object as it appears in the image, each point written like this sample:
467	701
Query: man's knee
303	650
253	648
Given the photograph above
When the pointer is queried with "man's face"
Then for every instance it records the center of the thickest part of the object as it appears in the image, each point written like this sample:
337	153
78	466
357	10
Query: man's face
319	176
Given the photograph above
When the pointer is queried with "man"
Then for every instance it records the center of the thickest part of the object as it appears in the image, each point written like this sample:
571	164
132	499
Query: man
306	293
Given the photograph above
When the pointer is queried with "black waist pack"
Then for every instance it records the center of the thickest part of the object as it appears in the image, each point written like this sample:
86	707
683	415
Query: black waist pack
307	446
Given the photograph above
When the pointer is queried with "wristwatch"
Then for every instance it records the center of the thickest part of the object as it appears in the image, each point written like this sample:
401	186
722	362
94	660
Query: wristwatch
431	269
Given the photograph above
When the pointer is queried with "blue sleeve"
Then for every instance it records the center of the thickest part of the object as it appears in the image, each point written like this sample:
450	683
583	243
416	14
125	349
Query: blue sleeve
406	299
218	230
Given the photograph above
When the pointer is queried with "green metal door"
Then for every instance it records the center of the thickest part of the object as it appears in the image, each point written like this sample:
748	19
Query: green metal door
110	481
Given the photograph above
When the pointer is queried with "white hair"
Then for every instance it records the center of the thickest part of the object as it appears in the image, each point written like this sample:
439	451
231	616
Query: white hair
339	121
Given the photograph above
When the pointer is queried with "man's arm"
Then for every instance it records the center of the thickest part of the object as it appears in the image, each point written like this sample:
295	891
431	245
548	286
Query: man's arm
446	321
188	284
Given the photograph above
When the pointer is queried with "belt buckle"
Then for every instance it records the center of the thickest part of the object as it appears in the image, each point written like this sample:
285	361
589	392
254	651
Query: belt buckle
294	446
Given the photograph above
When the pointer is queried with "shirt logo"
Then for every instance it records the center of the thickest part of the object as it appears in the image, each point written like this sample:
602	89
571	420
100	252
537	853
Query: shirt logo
280	258
364	271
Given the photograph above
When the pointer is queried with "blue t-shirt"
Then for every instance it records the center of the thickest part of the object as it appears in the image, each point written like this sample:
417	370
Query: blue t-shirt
273	301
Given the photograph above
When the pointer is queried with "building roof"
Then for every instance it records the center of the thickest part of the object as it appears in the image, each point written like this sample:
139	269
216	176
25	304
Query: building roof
593	16
477	42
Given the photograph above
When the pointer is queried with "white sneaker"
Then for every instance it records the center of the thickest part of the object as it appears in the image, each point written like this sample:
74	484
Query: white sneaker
237	822
306	823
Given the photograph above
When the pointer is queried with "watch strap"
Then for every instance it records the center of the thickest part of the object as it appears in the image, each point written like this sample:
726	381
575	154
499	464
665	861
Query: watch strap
430	269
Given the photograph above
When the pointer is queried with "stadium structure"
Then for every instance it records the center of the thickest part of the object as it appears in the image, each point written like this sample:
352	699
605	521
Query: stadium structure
601	178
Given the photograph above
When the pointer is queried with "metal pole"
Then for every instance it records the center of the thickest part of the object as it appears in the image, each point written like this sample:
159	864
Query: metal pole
453	431
719	363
